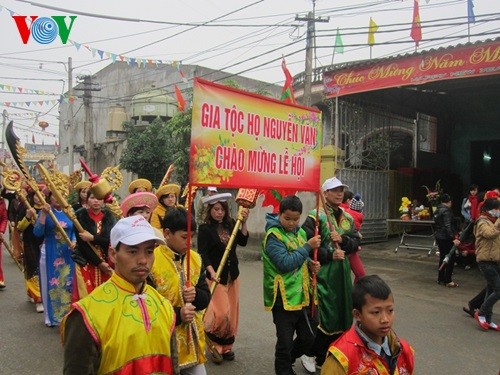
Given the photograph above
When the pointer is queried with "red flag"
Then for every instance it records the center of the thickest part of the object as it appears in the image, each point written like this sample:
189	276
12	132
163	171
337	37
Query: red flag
287	92
416	28
273	197
181	103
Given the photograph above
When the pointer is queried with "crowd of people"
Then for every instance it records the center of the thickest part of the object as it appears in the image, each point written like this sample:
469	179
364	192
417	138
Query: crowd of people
132	295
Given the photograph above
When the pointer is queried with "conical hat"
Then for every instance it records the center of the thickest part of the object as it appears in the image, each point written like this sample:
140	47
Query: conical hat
140	199
140	182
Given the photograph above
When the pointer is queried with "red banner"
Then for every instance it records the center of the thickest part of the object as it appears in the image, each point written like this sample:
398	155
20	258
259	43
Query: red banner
240	139
453	63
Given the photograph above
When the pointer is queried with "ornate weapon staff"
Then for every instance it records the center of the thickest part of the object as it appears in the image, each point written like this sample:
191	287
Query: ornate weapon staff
246	198
18	152
167	175
103	187
56	187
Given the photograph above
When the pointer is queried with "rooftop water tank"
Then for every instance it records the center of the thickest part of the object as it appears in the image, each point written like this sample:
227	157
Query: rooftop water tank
116	117
151	104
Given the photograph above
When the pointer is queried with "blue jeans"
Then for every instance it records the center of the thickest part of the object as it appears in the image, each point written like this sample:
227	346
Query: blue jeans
491	272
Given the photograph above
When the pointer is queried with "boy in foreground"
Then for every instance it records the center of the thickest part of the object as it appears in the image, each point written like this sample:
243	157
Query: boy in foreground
370	346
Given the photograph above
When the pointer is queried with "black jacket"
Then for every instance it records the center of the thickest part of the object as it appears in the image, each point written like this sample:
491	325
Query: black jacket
444	228
212	249
102	240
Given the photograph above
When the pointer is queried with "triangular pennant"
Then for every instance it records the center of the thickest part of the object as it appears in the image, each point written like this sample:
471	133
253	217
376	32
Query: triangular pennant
101	53
113	57
77	46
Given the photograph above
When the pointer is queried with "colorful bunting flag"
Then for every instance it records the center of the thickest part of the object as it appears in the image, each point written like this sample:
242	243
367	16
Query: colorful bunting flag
287	94
416	28
339	46
372	29
181	103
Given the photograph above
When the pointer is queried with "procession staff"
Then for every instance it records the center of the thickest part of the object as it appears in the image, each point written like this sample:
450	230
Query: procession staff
17	152
66	207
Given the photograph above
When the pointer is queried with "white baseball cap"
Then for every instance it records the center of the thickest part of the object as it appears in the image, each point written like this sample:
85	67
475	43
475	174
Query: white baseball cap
212	188
133	230
333	183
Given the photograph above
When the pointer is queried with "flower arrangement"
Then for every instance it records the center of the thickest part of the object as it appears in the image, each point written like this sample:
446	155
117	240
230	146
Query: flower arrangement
405	208
434	196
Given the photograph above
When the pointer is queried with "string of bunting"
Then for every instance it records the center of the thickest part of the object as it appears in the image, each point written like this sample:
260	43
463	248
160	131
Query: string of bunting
10	88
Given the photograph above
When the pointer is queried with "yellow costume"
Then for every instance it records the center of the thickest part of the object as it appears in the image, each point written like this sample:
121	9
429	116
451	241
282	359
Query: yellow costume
168	274
132	331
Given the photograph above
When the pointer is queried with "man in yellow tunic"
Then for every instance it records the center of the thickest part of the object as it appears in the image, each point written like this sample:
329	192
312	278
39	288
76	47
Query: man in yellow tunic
124	326
169	275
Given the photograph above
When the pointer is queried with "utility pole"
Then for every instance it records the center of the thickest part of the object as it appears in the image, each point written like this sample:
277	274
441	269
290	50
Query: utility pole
310	44
88	129
70	115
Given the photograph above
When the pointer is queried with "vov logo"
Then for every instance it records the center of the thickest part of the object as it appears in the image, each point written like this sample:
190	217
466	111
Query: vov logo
44	29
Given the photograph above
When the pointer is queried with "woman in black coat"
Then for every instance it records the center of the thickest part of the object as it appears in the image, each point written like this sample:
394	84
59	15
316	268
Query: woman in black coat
92	269
221	317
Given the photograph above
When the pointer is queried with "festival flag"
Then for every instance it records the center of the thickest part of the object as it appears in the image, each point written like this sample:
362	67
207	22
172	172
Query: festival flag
287	92
181	103
372	29
471	18
33	138
339	46
416	28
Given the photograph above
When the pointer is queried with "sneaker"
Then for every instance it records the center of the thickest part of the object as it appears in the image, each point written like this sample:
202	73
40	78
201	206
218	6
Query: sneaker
309	364
39	308
494	327
481	320
2	284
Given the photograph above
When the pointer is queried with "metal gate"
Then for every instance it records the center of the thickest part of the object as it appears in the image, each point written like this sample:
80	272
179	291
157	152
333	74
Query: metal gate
373	186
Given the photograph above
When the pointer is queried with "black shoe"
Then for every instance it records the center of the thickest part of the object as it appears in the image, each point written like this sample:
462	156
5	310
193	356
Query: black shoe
228	356
469	311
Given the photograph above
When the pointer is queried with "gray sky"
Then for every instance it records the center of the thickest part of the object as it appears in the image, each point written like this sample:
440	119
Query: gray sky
266	30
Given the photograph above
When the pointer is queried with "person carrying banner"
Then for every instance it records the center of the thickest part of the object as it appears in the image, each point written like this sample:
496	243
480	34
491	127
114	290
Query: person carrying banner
338	239
169	277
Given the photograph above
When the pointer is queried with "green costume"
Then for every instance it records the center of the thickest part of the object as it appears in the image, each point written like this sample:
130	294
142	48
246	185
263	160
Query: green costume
334	282
294	285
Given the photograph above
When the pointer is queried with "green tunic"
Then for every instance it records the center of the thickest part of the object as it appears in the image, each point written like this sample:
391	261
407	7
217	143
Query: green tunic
334	282
294	285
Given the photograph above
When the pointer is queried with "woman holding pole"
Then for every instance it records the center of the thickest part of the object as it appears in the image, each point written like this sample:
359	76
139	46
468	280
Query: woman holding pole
221	317
60	268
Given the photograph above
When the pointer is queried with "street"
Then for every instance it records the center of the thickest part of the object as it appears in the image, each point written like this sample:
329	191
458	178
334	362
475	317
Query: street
429	316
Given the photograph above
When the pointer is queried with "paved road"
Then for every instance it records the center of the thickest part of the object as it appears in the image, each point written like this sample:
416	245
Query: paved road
429	316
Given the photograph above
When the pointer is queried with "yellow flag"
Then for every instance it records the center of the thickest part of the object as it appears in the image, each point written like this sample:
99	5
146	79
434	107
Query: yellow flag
372	29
